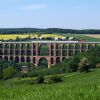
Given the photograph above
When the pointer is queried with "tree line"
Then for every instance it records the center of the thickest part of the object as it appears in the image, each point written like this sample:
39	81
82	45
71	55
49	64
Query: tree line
48	30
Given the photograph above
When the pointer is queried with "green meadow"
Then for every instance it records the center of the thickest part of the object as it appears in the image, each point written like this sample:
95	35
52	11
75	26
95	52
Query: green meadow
75	86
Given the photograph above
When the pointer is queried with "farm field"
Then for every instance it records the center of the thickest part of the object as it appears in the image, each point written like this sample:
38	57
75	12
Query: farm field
93	35
76	86
87	37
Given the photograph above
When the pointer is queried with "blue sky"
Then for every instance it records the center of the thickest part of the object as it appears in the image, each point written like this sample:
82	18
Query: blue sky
76	14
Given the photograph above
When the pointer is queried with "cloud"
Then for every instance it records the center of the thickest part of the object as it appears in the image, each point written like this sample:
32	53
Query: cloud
35	7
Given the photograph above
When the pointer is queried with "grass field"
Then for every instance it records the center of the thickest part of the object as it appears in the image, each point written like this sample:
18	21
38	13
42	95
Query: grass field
76	86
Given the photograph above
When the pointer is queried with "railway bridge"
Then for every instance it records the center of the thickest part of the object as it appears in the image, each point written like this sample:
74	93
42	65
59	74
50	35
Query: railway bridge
34	52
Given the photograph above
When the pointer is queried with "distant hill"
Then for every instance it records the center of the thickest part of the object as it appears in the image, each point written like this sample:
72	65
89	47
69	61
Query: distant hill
48	30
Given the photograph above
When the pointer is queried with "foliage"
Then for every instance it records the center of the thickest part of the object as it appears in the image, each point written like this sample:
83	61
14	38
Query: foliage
39	80
9	73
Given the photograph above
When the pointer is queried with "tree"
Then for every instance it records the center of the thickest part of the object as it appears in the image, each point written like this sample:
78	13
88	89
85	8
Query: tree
9	72
84	65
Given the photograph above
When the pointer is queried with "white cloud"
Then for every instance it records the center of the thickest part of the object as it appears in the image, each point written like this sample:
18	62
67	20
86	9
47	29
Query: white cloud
35	7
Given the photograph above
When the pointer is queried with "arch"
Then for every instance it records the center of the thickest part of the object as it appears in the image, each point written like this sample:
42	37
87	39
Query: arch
52	61
1	52
71	53
43	62
58	46
28	52
58	53
77	46
77	52
23	46
11	58
17	52
22	52
57	60
64	53
22	59
43	50
6	58
34	60
71	46
11	52
65	46
1	46
6	46
34	46
12	46
28	46
52	46
28	59
17	46
84	46
90	46
5	52
17	59
63	58
1	58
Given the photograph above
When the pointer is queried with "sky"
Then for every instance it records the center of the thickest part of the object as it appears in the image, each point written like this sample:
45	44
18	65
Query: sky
73	14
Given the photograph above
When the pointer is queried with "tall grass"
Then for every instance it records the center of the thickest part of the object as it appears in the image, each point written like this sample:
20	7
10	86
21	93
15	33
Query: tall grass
76	86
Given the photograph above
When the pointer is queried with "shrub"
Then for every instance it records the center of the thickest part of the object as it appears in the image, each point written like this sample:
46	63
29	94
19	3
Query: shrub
39	80
98	65
8	72
1	75
55	78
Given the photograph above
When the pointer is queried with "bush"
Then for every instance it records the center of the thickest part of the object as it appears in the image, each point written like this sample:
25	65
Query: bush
39	80
98	65
55	79
8	73
1	75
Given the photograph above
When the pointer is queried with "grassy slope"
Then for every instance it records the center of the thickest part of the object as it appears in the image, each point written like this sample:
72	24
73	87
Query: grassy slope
76	86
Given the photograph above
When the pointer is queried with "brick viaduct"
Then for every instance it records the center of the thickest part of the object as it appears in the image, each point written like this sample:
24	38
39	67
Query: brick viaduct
29	51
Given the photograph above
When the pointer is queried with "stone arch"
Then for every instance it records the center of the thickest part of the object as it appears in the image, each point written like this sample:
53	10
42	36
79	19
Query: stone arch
57	60
71	46
58	46
5	52
28	59
77	52
65	46
17	52
11	58
52	61
63	58
43	62
84	46
77	46
28	52
11	52
6	58
71	53
1	52
58	53
6	46
17	59
1	46
12	46
28	46
64	53
1	58
22	52
43	50
90	46
22	59
17	46
34	60
23	46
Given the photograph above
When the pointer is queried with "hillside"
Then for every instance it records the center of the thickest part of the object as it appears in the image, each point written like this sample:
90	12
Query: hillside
76	86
